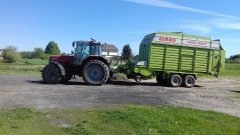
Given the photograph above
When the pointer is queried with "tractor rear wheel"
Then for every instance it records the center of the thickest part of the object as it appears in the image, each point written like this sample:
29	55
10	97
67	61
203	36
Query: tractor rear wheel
51	74
95	72
175	80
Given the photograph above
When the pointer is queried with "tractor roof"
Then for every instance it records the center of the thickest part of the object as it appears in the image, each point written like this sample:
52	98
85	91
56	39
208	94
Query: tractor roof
85	41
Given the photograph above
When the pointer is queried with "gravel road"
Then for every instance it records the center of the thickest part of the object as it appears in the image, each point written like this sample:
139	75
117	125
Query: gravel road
222	94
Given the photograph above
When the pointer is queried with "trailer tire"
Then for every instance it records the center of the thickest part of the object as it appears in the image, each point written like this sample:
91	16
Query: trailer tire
189	81
51	74
95	72
175	80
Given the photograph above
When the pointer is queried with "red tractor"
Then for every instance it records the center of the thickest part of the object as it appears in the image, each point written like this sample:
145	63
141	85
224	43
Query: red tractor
85	62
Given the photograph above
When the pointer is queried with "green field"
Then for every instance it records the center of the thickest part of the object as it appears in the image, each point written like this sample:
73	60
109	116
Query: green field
23	67
124	120
231	70
33	61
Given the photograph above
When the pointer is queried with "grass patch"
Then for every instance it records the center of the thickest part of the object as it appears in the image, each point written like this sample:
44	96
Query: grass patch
20	69
121	75
34	61
27	62
122	120
23	67
231	70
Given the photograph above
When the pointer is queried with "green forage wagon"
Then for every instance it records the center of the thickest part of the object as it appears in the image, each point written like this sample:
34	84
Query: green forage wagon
176	58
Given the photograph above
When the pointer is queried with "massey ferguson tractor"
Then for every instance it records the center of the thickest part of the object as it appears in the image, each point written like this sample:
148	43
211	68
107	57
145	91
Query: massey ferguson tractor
86	62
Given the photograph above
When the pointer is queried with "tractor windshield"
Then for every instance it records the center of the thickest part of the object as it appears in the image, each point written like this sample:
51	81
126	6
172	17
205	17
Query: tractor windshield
82	49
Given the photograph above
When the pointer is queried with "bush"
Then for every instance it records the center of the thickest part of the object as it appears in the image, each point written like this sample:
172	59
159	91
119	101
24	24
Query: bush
38	53
27	55
45	56
10	54
63	54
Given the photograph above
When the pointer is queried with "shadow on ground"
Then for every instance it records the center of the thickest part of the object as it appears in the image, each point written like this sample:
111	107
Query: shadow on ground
235	91
123	83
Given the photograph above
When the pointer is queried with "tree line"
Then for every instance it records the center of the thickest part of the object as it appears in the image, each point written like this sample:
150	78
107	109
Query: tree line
233	59
10	53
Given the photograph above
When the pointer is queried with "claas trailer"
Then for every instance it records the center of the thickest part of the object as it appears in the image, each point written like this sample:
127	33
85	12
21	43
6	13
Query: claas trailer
176	58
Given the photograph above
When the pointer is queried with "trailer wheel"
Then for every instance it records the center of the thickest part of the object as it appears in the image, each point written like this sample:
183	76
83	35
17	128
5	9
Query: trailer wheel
95	72
189	81
175	80
160	80
51	74
138	78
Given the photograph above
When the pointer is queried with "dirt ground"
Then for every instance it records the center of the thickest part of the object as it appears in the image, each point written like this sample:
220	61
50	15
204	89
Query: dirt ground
218	94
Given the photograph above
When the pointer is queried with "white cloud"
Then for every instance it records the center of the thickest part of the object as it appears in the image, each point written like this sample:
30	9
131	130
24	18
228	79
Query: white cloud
166	4
201	28
226	23
232	25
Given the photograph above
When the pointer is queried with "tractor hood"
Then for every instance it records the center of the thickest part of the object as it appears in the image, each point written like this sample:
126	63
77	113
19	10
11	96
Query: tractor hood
61	59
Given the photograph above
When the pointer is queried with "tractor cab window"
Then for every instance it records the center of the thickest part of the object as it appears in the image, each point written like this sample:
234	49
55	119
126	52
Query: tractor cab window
94	49
86	50
82	49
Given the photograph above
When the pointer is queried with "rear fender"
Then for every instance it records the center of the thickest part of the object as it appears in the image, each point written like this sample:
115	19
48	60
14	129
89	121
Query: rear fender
59	66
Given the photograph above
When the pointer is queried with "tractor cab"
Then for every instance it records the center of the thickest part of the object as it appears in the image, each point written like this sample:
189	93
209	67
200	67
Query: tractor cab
84	49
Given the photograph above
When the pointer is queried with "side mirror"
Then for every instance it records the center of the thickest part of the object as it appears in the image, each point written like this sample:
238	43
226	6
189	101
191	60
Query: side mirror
72	53
73	44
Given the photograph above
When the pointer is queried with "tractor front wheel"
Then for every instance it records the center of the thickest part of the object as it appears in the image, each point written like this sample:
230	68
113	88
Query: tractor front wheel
51	74
95	72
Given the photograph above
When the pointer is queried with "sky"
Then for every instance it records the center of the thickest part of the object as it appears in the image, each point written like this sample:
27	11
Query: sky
28	24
